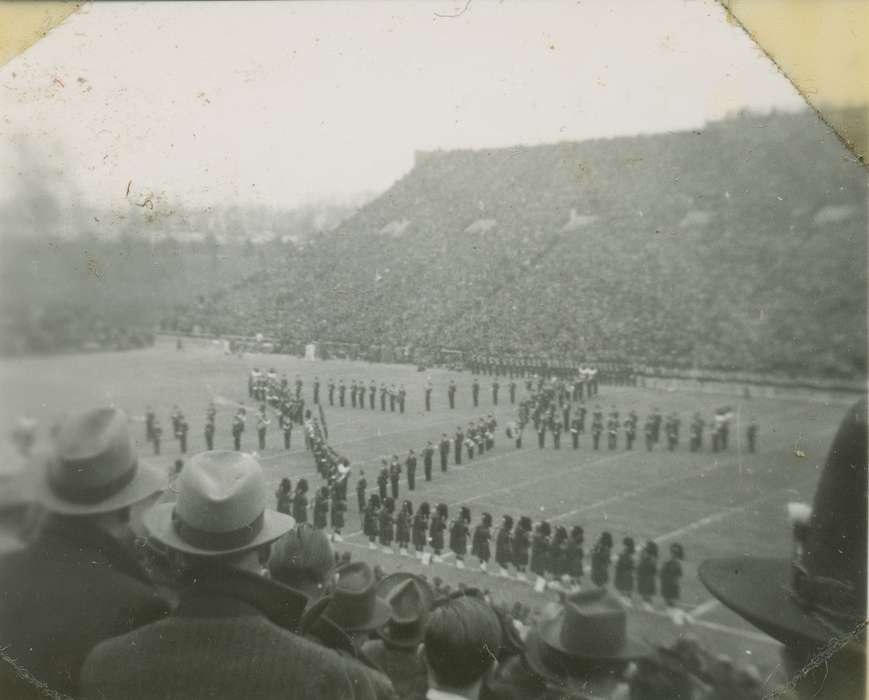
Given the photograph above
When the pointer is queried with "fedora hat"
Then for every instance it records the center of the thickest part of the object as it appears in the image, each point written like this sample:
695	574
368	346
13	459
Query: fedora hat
353	601
220	509
821	589
592	625
411	599
92	467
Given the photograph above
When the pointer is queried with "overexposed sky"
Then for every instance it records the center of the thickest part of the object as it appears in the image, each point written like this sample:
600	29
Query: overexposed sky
285	103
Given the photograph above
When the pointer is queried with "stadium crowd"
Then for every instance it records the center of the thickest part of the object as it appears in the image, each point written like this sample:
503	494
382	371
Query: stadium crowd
127	590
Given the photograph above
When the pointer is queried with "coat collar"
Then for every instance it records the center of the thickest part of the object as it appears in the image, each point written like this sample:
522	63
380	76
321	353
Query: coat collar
226	591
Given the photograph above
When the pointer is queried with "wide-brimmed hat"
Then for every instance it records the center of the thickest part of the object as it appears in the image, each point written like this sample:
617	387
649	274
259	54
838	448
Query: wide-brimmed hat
592	625
220	509
821	590
353	601
92	467
410	598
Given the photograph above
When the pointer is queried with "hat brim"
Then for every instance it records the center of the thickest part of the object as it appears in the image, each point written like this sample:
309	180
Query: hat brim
387	583
379	617
158	523
758	590
631	650
146	483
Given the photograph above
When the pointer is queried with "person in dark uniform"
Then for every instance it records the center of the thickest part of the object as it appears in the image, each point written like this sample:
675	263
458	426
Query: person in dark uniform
565	415
383	393
237	430
657	420
512	392
451	393
556	434
459	536
262	422
596	430
300	502
427	456
575	555
316	390
697	425
361	491
387	525
625	566
581	412
286	426
495	387
751	436
337	508
480	542
457	446
444	449
371	520
403	523
630	430
383	481
647	574
321	508
156	434
331	389
342	392
600	559
540	549
394	476
541	434
410	470
372	394
715	437
150	417
284	497
612	429
522	546
436	530
181	429
475	392
419	528
354	390
209	435
393	396
428	389
211	412
504	546
402	397
672	430
574	432
649	432
670	574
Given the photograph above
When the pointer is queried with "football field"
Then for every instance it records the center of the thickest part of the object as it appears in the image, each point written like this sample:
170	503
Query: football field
713	504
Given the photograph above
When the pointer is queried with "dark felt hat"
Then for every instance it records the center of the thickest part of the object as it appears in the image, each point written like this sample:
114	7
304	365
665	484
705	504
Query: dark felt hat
354	604
593	625
92	467
820	591
410	599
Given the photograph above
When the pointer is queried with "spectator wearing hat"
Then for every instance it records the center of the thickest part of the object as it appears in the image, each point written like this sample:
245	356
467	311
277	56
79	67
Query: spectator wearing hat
504	546
396	649
76	583
218	528
814	602
647	573
402	527
625	566
459	536
419	528
522	546
585	649
302	559
480	543
600	560
460	646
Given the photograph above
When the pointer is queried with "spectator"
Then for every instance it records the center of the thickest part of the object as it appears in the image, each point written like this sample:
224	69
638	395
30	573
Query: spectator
814	602
233	624
395	652
77	583
461	643
302	560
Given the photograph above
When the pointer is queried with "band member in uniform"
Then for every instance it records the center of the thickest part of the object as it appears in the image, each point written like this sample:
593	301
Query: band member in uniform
393	395
512	392
284	497
321	508
387	525
574	432
403	523
383	393
647	574
371	520
495	387
237	429
504	546
331	390
596	430
383	482
556	434
262	423
342	391
427	456
521	546
444	449
541	434
697	425
181	428
459	536
436	530
428	389
575	554
419	528
612	432
451	393
361	491
150	416
625	567
394	476
751	436
338	507
480	546
649	432
457	446
631	430
286	425
670	574
581	411
600	559
475	392
410	470
372	394
657	420
156	434
209	435
672	430
354	390
402	397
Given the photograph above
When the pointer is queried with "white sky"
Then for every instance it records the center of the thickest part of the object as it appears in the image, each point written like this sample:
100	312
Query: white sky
285	103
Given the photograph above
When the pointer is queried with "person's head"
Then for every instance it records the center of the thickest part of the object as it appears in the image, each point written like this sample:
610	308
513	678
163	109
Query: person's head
461	644
507	523
302	559
577	534
286	485
179	465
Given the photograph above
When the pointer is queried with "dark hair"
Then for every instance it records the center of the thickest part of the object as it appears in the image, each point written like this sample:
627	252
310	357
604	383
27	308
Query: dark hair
462	641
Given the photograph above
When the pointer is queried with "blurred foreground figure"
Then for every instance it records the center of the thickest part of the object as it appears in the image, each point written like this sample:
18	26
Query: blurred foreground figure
814	602
78	582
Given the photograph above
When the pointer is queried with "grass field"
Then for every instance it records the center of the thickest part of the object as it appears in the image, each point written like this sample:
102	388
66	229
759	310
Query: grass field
714	504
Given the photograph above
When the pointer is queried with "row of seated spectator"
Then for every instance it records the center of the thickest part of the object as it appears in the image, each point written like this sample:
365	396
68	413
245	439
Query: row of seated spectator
236	600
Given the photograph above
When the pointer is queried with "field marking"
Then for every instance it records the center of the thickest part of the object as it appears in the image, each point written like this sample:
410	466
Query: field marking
704	608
